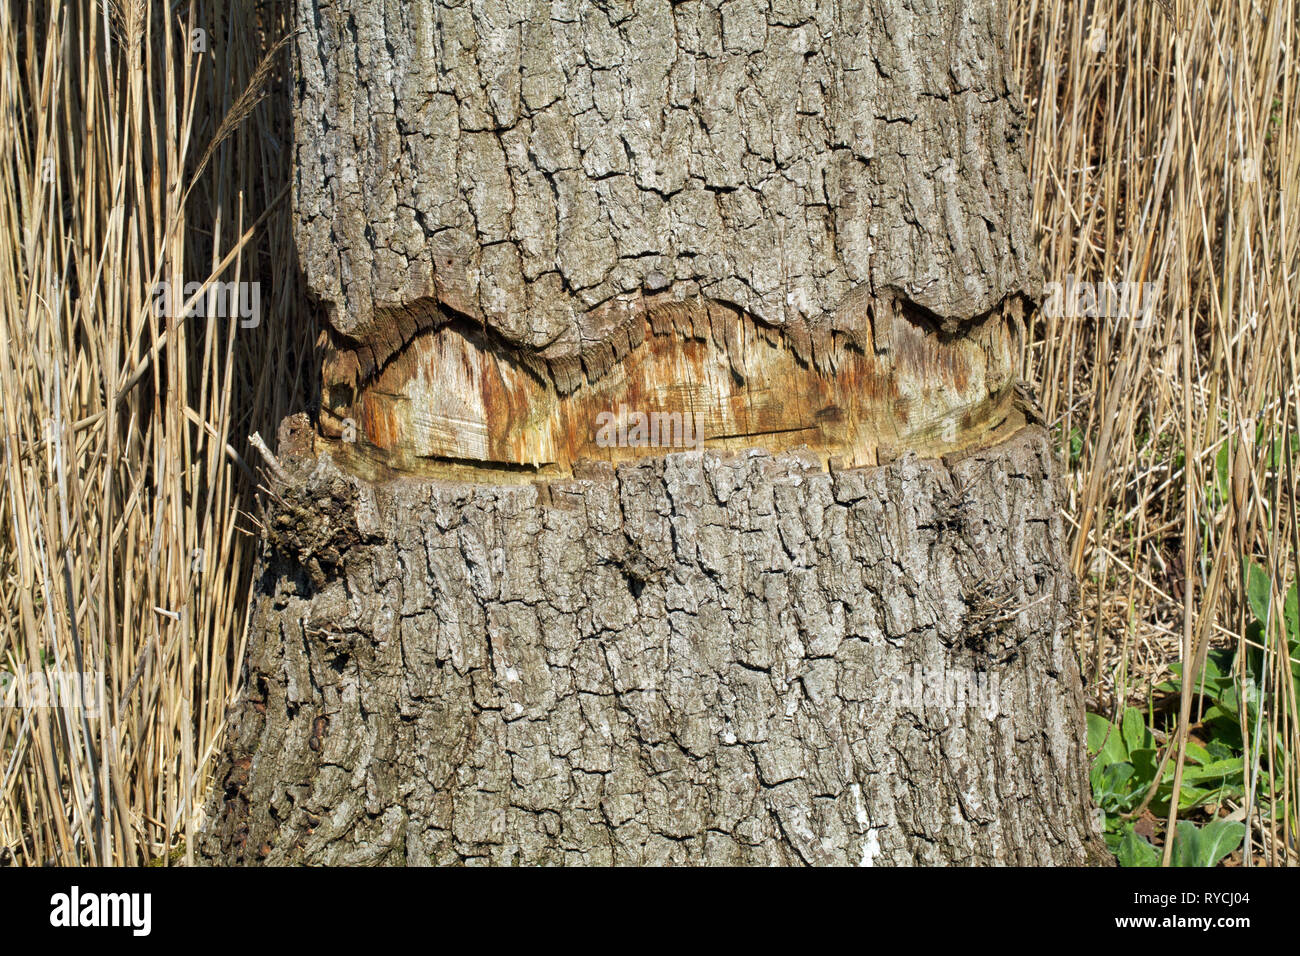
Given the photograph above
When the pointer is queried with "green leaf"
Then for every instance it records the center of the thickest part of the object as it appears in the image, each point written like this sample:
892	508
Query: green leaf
1218	770
1218	667
1223	483
1105	741
1218	838
1076	446
1208	845
1192	797
1135	851
1110	787
1186	845
1277	452
1134	729
1197	753
1144	764
1291	613
1257	587
1220	750
1214	680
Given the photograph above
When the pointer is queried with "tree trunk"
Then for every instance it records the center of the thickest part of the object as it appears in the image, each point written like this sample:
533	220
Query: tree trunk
501	615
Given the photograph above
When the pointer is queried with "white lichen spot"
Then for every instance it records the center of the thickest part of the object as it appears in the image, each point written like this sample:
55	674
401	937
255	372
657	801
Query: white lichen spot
859	810
871	850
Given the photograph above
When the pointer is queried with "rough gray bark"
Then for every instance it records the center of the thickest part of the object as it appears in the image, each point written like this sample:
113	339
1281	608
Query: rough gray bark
529	163
803	222
691	659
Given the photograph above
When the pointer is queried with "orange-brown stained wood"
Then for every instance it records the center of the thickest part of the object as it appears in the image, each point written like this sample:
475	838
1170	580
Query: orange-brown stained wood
693	375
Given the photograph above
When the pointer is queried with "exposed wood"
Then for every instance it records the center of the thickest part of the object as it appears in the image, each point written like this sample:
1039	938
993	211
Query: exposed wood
695	376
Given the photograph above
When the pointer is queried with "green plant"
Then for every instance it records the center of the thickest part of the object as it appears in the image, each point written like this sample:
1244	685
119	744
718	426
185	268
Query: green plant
1228	690
1124	782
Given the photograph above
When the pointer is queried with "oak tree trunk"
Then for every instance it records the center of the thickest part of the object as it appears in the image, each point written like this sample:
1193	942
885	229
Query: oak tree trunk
671	498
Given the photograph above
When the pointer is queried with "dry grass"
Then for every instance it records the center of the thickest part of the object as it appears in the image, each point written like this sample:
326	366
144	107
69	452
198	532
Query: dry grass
1165	148
124	545
1166	153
